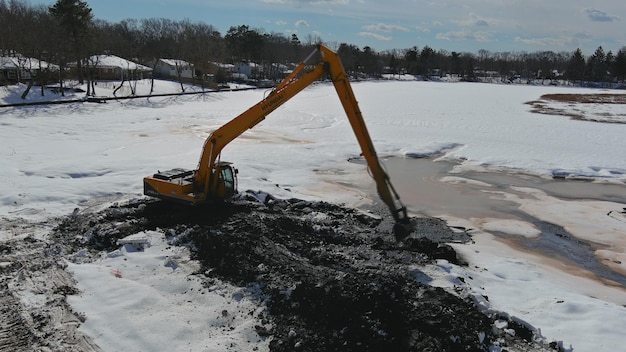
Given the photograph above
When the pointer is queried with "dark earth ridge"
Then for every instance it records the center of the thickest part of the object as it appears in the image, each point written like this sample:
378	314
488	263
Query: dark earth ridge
334	278
330	278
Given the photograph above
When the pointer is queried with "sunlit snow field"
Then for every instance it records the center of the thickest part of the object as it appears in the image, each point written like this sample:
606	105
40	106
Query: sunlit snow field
56	158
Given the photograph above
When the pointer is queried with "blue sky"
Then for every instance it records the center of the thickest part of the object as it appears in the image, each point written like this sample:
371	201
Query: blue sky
455	25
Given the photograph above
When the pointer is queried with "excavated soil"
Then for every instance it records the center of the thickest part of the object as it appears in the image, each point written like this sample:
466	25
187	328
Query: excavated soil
543	106
334	279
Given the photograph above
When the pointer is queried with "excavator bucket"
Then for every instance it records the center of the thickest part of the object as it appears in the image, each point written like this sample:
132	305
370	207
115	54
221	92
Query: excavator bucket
403	225
402	229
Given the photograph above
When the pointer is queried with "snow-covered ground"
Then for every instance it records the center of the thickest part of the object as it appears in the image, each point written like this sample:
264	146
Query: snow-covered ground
56	158
148	300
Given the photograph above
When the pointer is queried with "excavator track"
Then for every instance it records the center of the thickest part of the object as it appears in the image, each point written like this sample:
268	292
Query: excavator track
14	332
30	268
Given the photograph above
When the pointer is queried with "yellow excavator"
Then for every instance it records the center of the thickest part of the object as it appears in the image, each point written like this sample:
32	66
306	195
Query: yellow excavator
216	180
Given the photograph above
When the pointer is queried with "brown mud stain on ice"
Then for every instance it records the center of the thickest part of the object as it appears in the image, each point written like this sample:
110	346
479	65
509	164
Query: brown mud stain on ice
579	223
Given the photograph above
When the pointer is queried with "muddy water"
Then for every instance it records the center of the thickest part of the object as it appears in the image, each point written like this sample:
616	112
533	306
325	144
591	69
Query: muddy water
432	188
421	189
421	185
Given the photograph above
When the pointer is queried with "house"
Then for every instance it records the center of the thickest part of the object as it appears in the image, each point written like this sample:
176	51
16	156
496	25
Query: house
228	68
172	68
249	69
18	68
9	69
220	72
111	67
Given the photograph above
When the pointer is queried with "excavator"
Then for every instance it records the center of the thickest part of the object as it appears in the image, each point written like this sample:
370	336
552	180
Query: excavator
215	180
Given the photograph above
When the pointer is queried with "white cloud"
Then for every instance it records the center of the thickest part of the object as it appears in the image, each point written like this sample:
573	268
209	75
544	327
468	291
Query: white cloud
478	36
374	35
302	23
552	42
304	2
422	29
455	24
280	23
600	16
546	41
386	28
473	20
582	35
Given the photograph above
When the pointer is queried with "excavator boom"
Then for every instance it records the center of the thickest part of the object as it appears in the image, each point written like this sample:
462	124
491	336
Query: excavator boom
385	189
214	180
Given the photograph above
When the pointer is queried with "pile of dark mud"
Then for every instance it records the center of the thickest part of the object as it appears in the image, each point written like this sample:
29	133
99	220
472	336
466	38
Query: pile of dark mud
335	279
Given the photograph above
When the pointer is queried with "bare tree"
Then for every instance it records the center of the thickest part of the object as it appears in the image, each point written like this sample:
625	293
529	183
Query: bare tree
92	63
25	65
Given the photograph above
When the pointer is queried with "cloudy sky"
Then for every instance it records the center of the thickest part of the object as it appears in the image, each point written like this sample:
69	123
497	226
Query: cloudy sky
454	25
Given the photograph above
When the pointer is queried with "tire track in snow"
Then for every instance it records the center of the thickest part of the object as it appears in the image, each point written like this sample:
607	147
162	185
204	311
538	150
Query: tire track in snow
14	334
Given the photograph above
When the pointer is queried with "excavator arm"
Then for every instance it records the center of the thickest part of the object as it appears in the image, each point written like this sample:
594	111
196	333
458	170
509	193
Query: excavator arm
247	120
207	182
385	189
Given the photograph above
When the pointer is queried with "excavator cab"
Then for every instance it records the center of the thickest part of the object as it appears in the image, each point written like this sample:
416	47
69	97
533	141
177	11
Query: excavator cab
226	180
182	186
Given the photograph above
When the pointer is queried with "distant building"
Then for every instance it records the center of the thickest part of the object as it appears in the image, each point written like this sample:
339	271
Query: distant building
111	67
219	72
248	69
18	68
172	68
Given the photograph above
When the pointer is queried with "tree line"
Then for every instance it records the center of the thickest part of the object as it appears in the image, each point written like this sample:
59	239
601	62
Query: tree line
68	32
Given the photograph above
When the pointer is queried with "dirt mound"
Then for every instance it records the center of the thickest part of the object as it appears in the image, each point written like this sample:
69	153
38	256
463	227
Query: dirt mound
568	105
334	278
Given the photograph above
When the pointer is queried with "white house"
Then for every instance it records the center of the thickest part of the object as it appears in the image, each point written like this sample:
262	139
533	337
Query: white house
249	69
114	67
19	68
172	68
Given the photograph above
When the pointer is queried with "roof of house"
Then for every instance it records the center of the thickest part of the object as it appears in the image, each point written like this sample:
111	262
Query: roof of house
6	62
176	62
26	63
112	61
222	65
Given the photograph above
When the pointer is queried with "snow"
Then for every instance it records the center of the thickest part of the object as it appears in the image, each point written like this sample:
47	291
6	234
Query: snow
567	307
25	63
116	61
56	158
144	300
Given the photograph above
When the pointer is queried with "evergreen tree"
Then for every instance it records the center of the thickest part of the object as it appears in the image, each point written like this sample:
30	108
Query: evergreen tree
456	65
349	55
609	63
245	43
596	66
426	61
295	41
411	60
619	65
75	18
393	64
576	67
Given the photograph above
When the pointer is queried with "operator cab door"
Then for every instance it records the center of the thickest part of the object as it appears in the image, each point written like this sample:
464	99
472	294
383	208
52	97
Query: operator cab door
227	181
230	182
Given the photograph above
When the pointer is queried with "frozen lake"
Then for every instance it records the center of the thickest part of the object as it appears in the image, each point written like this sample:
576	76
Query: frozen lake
547	252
